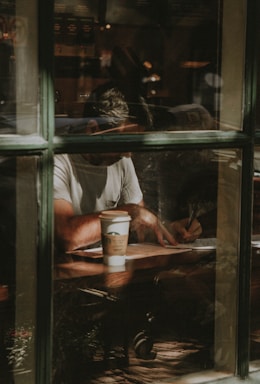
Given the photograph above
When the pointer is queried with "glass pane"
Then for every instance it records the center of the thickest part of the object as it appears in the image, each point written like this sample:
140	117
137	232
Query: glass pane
255	278
181	59
160	312
19	67
18	236
257	42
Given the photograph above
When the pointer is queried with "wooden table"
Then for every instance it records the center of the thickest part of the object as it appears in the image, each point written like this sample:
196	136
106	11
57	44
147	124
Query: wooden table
142	261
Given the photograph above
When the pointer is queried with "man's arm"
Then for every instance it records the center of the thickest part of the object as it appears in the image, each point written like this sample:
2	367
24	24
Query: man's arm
71	231
145	222
74	232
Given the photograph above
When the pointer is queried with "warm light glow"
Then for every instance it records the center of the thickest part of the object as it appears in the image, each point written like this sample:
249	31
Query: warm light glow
147	64
154	77
194	64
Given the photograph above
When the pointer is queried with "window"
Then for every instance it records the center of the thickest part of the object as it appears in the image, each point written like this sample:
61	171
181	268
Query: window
190	119
19	69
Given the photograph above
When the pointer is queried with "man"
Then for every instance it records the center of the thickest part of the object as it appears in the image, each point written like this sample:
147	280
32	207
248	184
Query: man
85	184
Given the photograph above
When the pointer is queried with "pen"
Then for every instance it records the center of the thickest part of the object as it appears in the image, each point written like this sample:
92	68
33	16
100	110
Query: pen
193	214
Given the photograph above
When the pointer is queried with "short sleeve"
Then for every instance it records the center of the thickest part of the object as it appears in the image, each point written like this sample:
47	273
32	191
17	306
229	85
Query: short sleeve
61	181
131	192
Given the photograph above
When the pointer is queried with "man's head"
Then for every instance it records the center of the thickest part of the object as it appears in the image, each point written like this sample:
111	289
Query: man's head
109	111
106	109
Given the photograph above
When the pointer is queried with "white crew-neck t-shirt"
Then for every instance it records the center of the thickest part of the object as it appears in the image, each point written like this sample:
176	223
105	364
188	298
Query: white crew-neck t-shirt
91	188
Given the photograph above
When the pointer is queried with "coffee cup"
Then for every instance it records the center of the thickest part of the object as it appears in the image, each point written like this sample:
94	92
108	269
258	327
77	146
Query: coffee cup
115	232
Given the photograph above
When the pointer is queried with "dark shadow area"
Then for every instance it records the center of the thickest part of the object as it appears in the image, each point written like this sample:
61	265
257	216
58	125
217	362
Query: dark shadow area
7	262
162	320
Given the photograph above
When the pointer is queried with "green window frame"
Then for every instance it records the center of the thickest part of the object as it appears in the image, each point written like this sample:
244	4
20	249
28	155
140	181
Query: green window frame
46	145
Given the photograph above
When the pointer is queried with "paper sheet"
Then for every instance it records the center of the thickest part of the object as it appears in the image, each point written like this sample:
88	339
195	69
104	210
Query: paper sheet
134	251
138	251
199	244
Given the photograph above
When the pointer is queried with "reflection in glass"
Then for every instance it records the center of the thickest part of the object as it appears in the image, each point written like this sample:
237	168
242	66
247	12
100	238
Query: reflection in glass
174	310
168	54
255	279
19	67
257	116
18	237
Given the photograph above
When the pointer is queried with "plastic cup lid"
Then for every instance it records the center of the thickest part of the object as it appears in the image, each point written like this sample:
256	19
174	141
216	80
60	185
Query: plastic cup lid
114	214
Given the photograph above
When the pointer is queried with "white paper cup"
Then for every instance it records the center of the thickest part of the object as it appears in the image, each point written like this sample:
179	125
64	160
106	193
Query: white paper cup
115	232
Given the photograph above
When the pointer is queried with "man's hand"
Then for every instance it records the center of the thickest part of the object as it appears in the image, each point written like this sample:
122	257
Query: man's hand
182	234
145	223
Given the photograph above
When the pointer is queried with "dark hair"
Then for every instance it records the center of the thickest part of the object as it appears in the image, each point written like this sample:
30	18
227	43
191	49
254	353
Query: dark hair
108	106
